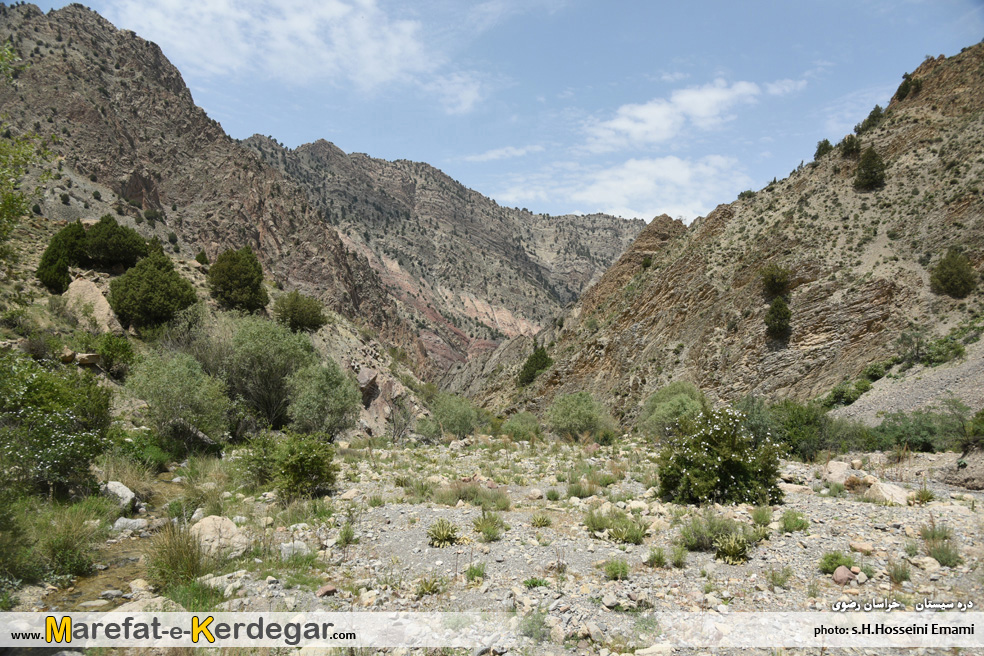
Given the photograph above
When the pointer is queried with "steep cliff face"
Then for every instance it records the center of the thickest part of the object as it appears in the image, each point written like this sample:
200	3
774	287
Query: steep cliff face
466	270
860	263
124	123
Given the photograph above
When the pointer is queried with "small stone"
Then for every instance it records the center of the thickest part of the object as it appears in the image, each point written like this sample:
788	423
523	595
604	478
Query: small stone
350	494
534	494
609	601
862	547
327	590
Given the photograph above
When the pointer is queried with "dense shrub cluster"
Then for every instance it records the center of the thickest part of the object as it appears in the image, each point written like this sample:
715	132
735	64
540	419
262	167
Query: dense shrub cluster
535	363
53	423
675	402
450	415
716	459
874	118
105	245
775	279
182	399
150	293
236	281
777	319
953	275
322	399
522	426
299	312
579	414
910	86
850	146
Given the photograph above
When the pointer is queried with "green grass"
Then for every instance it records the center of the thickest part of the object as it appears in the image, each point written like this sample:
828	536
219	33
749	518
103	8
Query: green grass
792	521
831	560
762	516
656	558
535	582
779	578
475	571
616	569
899	572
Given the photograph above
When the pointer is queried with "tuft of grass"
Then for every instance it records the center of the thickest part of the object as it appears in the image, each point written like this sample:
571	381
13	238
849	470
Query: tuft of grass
473	493
581	490
376	501
177	558
656	558
934	532
944	551
540	520
196	597
490	525
442	533
534	626
702	531
779	578
911	548
431	585
535	582
475	571
792	521
616	569
553	495
899	572
346	535
678	558
762	516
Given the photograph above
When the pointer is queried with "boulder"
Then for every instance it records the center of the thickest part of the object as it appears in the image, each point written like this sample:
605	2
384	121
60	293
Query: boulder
90	308
843	576
790	488
219	535
294	548
534	494
89	359
887	493
836	472
368	385
132	525
123	495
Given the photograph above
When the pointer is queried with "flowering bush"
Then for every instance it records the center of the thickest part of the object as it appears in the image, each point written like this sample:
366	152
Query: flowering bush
52	425
714	458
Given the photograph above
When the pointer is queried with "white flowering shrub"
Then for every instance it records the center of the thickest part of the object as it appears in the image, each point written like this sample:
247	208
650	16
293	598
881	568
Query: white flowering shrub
715	459
53	423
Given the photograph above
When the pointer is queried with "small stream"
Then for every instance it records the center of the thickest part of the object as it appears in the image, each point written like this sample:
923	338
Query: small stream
119	561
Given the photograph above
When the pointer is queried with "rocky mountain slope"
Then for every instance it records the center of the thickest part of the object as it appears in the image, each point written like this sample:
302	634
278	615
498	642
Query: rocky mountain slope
429	265
128	137
467	271
860	263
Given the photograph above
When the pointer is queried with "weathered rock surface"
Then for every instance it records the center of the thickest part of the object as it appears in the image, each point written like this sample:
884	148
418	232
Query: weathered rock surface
90	308
219	535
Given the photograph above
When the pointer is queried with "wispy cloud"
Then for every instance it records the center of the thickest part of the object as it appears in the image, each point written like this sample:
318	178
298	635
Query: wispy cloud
503	153
840	116
660	120
355	43
638	187
783	87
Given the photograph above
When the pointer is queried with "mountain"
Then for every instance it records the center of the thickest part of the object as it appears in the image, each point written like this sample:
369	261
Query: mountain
688	303
127	133
429	265
466	271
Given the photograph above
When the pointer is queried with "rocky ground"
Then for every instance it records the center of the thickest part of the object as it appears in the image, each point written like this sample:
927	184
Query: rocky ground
551	576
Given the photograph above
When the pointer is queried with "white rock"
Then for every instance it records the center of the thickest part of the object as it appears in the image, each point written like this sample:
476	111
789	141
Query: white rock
123	495
219	535
887	493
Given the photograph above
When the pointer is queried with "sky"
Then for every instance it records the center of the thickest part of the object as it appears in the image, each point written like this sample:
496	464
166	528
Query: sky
634	108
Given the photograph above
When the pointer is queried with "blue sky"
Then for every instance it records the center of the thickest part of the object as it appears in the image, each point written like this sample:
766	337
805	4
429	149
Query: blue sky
635	108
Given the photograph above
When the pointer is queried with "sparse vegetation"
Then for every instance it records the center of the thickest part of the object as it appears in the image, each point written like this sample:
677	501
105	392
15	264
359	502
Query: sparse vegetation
537	361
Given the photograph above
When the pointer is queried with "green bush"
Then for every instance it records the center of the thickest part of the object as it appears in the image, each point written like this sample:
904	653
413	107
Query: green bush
775	279
522	426
322	399
236	281
909	86
675	402
66	248
823	147
846	393
53	424
442	533
181	398
299	312
116	353
850	146
108	244
264	356
777	319
150	293
535	363
703	530
871	171
578	414
922	430
454	415
201	258
305	466
953	275
874	118
715	459
831	560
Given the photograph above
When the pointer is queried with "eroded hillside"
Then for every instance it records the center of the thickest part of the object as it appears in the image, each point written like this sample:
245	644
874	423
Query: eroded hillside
860	263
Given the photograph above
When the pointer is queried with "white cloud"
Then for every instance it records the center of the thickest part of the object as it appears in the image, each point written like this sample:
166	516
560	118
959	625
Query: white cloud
353	43
782	87
503	153
659	120
642	188
675	76
841	115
